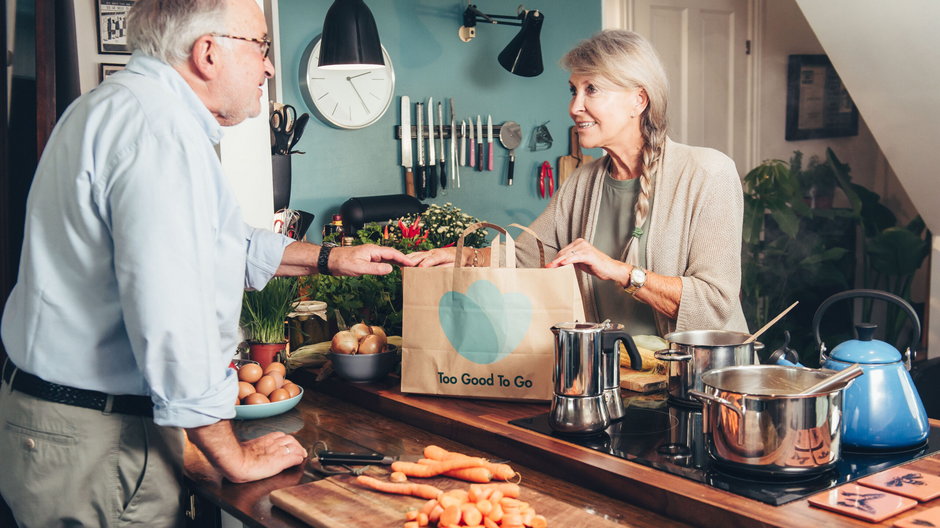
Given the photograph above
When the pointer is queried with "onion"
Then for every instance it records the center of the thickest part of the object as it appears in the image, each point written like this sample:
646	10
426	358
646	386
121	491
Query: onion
344	342
371	344
378	330
360	330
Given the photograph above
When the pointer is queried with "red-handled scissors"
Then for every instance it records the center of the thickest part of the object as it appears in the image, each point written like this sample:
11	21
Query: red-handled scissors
546	173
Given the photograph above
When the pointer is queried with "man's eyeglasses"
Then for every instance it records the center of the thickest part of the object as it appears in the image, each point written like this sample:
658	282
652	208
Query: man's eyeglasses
264	42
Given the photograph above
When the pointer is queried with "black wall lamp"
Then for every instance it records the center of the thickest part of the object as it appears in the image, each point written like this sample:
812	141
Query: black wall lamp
350	38
523	55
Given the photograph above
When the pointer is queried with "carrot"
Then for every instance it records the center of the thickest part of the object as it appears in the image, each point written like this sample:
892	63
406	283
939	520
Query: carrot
490	523
413	469
539	521
424	491
436	512
512	520
411	524
500	471
422	519
411	515
428	506
484	506
506	489
471	474
398	476
470	514
496	513
451	515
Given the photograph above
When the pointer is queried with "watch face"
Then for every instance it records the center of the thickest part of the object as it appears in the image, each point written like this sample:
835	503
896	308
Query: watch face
637	277
353	98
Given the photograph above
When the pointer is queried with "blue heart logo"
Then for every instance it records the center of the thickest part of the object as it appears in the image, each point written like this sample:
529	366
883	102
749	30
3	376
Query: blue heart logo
485	325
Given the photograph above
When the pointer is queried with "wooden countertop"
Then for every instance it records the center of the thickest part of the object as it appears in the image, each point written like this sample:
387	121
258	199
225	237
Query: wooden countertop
379	417
325	416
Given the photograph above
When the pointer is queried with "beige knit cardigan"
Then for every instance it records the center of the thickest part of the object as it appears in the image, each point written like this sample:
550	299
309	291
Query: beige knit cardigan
694	233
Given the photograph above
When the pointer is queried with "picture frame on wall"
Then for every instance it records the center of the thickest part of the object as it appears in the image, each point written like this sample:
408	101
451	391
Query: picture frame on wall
105	69
112	26
818	105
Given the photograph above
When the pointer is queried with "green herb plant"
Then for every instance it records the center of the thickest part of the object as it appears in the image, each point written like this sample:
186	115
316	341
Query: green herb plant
264	311
377	300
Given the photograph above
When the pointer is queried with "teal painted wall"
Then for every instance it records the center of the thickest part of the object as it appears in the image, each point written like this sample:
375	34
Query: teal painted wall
430	61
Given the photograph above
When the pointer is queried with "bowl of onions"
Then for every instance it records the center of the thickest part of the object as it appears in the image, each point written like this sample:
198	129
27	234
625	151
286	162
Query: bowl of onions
362	354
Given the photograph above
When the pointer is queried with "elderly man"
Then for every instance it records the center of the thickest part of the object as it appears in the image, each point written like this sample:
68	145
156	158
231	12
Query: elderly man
124	317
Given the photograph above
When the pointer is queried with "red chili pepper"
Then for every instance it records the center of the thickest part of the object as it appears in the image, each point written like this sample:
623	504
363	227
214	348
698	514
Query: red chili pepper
385	233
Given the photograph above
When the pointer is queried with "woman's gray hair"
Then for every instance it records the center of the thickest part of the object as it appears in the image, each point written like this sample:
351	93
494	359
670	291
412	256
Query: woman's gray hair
167	29
627	60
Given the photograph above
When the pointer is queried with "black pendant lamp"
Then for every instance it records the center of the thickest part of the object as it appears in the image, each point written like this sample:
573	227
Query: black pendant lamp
350	38
523	55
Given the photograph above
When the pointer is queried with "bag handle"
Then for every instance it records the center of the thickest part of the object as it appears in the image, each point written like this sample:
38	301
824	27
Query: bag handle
538	242
494	255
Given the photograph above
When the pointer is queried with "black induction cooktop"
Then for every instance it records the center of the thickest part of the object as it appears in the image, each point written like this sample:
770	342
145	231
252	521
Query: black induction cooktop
669	438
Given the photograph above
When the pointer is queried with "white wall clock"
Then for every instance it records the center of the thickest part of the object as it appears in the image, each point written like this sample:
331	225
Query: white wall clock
348	99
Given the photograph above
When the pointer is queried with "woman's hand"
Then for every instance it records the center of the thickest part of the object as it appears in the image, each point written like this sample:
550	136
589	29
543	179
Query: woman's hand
435	257
589	259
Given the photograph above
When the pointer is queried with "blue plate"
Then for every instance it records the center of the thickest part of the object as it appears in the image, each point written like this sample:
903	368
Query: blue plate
265	410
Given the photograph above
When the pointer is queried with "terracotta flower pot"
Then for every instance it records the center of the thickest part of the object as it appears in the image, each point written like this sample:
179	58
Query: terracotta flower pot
264	353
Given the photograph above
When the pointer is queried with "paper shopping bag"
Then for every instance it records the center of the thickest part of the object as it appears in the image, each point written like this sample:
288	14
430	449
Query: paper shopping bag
484	332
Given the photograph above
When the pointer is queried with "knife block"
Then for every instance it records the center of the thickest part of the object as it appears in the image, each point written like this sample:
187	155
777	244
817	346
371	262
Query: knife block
281	175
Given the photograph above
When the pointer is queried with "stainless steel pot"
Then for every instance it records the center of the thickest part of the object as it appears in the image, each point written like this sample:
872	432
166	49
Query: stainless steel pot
694	352
754	420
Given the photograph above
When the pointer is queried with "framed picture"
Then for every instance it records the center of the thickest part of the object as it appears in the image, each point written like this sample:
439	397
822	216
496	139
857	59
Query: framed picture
107	69
818	105
112	26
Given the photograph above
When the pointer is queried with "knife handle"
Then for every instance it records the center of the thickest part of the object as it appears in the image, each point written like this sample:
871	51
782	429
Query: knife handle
489	156
409	182
420	183
432	181
480	156
512	163
473	154
443	174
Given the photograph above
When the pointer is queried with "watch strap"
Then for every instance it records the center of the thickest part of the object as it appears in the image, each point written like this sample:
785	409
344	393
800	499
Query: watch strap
323	260
632	287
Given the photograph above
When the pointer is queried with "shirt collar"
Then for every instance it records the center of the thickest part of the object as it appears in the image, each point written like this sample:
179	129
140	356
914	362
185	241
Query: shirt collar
165	74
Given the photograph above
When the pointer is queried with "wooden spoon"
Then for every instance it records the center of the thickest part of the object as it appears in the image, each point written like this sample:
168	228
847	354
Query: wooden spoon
764	328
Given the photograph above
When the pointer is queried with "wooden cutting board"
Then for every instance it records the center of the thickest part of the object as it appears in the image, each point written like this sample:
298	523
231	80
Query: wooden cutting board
568	164
337	502
643	382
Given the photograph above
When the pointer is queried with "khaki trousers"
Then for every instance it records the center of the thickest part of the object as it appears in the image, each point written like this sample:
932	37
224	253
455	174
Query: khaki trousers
62	465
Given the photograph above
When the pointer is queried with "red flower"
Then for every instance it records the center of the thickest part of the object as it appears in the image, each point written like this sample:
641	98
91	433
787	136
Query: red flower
411	231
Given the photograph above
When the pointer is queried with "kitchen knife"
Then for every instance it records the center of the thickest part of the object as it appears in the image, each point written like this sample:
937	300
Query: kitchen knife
479	144
463	143
455	174
432	159
473	146
489	142
328	458
440	130
421	185
406	144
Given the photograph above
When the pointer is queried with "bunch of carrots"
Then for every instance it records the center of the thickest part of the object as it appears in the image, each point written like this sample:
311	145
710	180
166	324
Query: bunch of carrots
485	504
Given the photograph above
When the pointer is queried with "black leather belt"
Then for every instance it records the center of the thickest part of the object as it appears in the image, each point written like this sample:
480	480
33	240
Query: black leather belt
28	384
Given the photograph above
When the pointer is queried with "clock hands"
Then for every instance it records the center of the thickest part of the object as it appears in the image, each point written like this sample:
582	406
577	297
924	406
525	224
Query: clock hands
361	100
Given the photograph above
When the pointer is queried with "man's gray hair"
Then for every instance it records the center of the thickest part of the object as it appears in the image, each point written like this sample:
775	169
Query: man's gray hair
167	29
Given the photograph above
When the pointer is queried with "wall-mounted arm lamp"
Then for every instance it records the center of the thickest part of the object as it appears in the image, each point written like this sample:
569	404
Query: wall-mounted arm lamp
523	55
350	38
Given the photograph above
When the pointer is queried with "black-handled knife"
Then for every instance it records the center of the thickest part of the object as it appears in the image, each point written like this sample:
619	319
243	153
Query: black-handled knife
432	158
421	184
328	458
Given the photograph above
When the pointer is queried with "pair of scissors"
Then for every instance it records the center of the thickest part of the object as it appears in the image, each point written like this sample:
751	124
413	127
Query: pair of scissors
545	173
282	124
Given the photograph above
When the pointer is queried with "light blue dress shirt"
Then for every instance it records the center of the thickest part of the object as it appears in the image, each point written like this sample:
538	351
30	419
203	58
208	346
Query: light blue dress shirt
135	253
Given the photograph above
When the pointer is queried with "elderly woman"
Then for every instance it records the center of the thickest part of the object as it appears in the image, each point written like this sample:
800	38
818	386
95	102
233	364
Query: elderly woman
654	226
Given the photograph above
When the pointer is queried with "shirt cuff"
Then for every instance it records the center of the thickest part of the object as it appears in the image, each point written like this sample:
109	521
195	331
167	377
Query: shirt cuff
207	410
265	252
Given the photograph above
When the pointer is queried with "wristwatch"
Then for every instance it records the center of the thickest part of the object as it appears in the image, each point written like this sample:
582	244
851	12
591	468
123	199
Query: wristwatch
323	259
637	280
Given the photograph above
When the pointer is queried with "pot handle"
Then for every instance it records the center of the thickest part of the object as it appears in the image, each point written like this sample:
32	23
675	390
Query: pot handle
874	294
609	339
705	398
669	354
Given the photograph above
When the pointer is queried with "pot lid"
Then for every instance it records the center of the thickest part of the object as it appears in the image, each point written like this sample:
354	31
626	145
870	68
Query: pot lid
865	349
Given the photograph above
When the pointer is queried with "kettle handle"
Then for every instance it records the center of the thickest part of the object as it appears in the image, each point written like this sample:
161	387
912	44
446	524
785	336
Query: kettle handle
874	294
609	338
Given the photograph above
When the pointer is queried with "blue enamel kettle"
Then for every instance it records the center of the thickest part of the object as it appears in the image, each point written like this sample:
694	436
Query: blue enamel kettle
882	409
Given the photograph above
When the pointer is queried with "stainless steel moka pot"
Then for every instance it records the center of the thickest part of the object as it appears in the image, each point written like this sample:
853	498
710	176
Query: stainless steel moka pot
587	376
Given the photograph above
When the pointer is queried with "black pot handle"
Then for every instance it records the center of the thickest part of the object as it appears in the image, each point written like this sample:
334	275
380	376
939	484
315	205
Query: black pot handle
609	340
874	294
